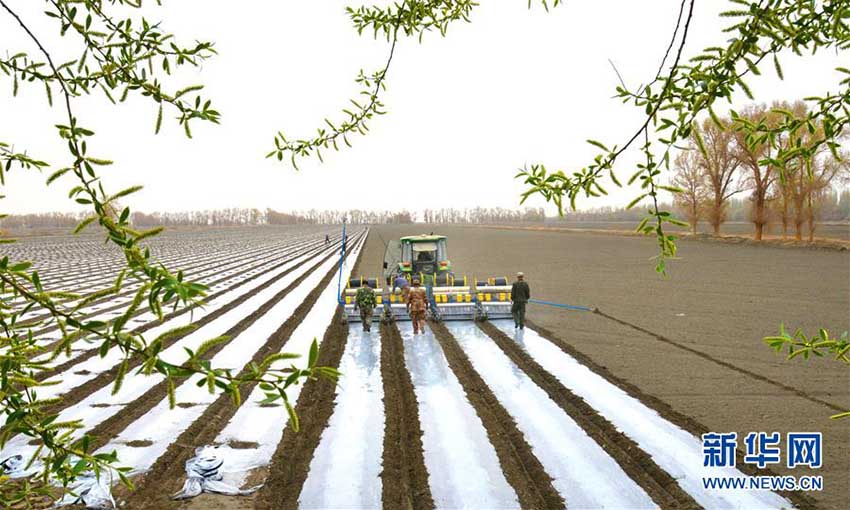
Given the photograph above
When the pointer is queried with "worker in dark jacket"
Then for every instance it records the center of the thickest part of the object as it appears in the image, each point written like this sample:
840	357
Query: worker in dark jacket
520	294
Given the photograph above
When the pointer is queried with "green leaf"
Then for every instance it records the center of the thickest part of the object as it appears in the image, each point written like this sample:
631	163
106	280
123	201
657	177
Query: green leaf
125	192
293	417
57	174
636	200
598	144
314	354
778	67
158	120
83	224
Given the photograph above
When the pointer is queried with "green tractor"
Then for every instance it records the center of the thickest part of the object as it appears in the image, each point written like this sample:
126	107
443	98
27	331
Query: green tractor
452	297
425	256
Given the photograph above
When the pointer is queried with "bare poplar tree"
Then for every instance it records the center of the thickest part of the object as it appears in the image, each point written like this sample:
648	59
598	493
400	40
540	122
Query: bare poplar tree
719	166
689	178
751	151
825	170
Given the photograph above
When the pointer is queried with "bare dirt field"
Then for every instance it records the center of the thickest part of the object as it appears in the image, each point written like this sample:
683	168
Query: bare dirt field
690	344
839	231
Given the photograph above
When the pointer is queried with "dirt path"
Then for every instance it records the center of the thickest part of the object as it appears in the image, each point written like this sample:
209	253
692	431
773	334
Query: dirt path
404	477
153	489
640	467
522	469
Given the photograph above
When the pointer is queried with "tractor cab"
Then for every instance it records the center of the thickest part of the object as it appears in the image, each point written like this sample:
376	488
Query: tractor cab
424	255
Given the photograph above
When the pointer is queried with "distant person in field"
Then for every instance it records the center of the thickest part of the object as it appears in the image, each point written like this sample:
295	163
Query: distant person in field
417	305
520	294
327	239
364	300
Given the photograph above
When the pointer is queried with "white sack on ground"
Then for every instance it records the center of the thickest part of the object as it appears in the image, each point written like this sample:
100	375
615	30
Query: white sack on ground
90	490
203	473
15	467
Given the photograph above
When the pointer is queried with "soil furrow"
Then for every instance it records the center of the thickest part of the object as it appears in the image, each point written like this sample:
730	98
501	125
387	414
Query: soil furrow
520	466
290	463
800	500
404	476
635	462
724	364
166	475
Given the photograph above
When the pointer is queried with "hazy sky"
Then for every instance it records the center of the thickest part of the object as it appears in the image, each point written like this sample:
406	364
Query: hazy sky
515	86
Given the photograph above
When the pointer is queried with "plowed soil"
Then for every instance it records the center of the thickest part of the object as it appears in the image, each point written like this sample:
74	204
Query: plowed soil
522	469
404	478
689	345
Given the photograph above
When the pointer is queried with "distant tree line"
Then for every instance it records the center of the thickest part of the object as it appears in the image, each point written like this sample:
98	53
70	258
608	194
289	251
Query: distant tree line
236	217
215	217
722	162
247	216
41	220
602	214
484	215
833	206
330	217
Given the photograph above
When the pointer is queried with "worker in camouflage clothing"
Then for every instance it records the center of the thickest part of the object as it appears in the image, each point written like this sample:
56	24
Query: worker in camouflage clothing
417	305
364	300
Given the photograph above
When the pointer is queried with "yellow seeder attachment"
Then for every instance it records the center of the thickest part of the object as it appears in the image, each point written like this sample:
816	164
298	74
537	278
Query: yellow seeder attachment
451	298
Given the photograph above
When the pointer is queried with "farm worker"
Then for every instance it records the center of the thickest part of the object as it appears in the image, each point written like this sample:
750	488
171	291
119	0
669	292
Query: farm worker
402	284
417	304
520	294
365	301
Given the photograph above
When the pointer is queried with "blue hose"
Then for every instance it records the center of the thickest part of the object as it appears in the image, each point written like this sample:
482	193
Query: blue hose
561	305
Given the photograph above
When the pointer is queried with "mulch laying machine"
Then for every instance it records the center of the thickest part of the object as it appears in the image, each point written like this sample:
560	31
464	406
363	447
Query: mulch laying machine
451	297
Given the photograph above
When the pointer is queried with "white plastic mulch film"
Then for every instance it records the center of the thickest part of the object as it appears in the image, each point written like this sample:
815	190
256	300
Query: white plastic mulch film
204	474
